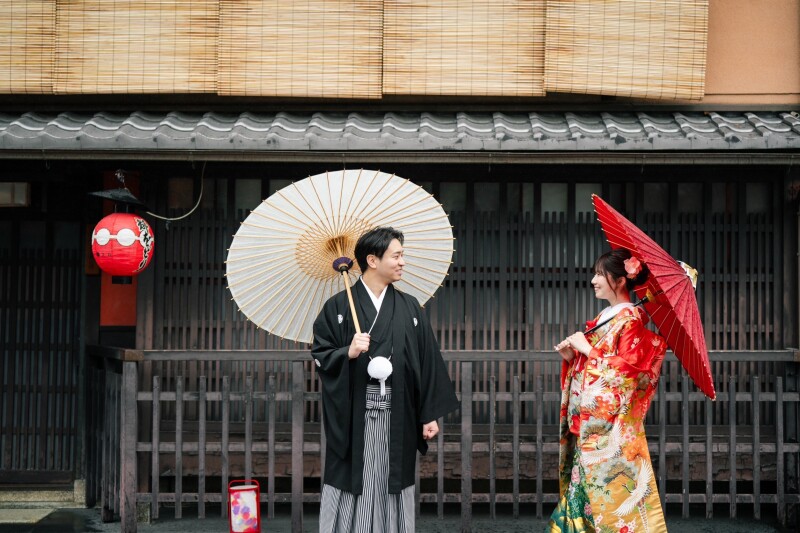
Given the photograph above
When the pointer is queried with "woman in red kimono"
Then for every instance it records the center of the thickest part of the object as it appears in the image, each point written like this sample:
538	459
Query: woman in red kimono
608	379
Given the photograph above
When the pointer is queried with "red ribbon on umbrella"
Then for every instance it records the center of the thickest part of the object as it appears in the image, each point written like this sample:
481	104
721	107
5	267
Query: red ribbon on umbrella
668	296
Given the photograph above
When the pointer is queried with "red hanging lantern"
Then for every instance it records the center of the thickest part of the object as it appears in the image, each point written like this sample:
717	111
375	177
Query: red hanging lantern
122	244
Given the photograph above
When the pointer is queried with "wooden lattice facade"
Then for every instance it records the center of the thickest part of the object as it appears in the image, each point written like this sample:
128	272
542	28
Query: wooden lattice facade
525	242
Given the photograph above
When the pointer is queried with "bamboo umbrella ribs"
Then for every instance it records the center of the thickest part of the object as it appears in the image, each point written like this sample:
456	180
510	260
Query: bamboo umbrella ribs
295	250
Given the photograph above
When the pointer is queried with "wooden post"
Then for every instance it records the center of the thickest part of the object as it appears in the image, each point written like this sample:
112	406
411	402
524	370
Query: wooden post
226	417
756	391
271	448
128	432
685	446
662	441
298	403
515	416
201	449
709	459
492	451
155	442
779	463
440	470
466	446
539	444
179	446
732	443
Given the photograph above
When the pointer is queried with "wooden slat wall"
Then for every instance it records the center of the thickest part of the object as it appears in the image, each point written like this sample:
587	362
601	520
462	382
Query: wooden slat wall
466	48
634	48
39	340
27	46
136	46
519	281
316	48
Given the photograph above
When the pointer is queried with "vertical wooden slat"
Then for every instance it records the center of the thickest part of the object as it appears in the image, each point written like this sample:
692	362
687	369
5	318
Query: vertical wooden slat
440	470
179	446
469	267
466	446
569	263
780	241
116	432
248	427
685	446
155	442
106	451
298	389
226	426
536	266
743	267
201	451
127	452
145	300
515	444
45	348
59	428
756	391
492	453
779	462
662	441
503	258
539	445
271	447
709	460
732	443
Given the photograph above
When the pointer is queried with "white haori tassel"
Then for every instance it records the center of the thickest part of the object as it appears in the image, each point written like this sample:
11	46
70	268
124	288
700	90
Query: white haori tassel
380	368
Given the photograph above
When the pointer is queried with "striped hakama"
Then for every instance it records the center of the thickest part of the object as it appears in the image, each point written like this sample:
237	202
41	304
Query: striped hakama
375	510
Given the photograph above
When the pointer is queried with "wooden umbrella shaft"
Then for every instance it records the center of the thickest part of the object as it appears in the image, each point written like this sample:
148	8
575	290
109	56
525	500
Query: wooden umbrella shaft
346	279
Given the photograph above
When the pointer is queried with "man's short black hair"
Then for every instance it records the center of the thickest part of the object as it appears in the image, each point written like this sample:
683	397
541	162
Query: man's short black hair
375	242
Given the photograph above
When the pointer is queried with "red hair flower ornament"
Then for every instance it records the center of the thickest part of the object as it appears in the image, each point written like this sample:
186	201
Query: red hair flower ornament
632	267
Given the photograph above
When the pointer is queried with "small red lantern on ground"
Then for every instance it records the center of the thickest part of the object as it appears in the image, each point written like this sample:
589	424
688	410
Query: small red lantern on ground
244	506
122	244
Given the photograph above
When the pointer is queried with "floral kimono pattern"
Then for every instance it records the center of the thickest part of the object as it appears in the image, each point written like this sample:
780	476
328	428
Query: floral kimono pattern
607	481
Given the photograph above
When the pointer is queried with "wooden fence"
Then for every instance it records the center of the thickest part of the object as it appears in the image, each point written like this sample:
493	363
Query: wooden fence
168	456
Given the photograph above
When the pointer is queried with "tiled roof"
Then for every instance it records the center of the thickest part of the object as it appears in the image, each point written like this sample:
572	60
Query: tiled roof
463	131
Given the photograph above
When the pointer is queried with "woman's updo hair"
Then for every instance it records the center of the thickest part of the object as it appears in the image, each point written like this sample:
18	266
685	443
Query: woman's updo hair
612	265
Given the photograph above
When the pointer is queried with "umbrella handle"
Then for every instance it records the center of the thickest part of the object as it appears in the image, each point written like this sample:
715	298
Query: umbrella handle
346	279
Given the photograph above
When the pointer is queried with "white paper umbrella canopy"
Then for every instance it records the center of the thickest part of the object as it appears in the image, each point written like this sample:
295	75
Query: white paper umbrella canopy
280	263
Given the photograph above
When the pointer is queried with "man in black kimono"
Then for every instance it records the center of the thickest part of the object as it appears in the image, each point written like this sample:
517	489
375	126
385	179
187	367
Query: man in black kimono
373	438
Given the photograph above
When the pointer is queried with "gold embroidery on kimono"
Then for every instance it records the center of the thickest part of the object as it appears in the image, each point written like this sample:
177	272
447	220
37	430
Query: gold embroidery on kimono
603	452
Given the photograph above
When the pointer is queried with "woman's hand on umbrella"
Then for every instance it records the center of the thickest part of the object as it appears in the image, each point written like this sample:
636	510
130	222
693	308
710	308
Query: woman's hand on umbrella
430	430
359	345
566	351
578	342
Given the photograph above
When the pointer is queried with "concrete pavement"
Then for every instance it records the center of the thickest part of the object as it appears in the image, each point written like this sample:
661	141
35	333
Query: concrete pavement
88	520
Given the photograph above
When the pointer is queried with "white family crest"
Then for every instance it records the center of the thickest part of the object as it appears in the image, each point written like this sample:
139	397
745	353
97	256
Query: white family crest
415	321
340	318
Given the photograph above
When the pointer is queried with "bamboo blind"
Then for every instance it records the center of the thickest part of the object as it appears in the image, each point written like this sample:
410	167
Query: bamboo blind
136	46
27	39
634	48
464	47
309	48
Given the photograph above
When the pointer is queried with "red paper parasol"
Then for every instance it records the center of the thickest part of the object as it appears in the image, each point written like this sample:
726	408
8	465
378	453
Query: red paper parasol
671	300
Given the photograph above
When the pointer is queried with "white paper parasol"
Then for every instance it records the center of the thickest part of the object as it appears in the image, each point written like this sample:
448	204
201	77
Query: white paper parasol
280	264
